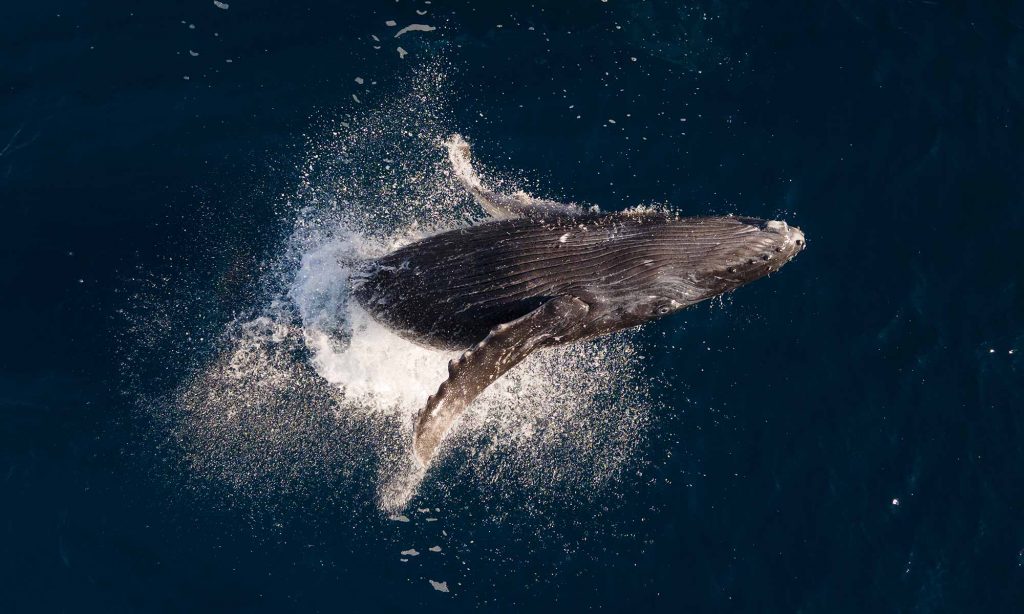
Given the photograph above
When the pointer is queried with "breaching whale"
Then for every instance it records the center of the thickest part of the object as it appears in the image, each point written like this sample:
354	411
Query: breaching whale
541	273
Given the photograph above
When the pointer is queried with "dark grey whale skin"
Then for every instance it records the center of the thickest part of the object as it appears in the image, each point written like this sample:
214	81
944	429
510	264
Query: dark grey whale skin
449	290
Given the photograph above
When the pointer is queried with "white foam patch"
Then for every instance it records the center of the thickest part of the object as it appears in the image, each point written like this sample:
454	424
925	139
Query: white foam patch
439	586
315	391
376	369
416	27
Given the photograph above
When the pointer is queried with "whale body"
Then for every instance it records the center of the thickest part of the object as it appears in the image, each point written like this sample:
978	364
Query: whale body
541	273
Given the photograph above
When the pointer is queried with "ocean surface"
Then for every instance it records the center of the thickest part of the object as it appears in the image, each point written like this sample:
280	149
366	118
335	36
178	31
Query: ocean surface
195	418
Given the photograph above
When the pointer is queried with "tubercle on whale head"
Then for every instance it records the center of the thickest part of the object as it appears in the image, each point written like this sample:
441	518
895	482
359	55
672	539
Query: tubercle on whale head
760	248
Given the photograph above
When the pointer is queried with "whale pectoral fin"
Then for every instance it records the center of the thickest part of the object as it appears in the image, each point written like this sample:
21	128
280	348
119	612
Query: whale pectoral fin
498	205
505	346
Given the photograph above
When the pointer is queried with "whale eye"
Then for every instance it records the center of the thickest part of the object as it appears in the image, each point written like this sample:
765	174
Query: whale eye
664	310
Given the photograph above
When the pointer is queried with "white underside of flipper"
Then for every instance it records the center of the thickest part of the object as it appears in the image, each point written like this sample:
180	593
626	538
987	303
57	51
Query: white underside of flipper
497	205
478	367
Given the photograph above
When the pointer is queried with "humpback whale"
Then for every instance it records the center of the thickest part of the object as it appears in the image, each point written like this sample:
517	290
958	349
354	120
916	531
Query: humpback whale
539	273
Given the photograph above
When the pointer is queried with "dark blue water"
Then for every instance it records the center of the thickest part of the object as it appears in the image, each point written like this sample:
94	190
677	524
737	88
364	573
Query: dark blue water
845	436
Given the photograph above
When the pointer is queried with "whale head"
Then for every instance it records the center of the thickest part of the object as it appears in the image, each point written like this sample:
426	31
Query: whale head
746	249
689	260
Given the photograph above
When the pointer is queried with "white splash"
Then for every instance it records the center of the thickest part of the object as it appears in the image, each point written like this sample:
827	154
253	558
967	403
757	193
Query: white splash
375	367
315	389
